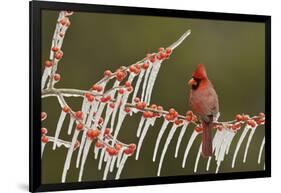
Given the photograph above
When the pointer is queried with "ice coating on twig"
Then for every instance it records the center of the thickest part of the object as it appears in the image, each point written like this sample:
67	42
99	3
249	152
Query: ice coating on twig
168	140
149	122
160	134
261	150
243	135
58	129
108	113
189	144
183	129
248	143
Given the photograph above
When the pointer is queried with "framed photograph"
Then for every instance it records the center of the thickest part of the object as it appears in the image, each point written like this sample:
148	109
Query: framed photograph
125	96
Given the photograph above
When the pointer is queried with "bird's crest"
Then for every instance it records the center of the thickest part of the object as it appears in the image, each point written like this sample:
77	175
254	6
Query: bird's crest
200	72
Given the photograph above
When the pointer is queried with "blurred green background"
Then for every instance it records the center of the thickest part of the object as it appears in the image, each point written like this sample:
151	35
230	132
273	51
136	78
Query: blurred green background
233	53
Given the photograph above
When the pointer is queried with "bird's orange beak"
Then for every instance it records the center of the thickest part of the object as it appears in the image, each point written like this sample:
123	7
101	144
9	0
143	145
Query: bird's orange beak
191	82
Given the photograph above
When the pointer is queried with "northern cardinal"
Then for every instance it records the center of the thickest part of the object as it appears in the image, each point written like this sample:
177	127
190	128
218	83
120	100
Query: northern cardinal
204	102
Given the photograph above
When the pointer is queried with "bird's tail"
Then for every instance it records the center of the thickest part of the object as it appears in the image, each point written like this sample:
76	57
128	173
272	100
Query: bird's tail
207	144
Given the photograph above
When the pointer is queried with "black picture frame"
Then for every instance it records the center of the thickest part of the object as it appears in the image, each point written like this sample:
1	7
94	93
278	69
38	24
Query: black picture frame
35	94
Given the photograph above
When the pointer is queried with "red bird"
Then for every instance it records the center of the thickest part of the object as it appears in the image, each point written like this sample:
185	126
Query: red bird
204	103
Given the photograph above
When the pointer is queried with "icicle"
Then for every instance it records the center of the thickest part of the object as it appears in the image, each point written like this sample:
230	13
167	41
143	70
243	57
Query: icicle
84	157
58	129
113	160
168	140
260	152
119	156
96	152
108	113
101	158
160	134
208	163
183	129
70	126
220	142
244	133
98	114
81	147
137	87
248	143
231	138
144	86
108	161
121	166
223	148
116	107
152	78
217	134
148	122
190	142
140	126
197	158
69	155
42	148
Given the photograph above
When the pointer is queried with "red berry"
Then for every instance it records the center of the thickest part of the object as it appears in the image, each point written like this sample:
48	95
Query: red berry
198	129
152	59
79	115
57	77
63	21
138	66
168	50
43	116
189	113
99	144
172	111
90	98
188	118
178	121
127	83
127	109
48	63
112	105
118	146
55	49
132	68
168	117
239	117
107	131
111	151
95	87
251	123
160	49
66	109
261	114
44	131
121	91
58	55
79	126
130	89
107	73
145	65
61	34
100	120
44	139
120	75
137	99
93	133
132	146
245	117
147	114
